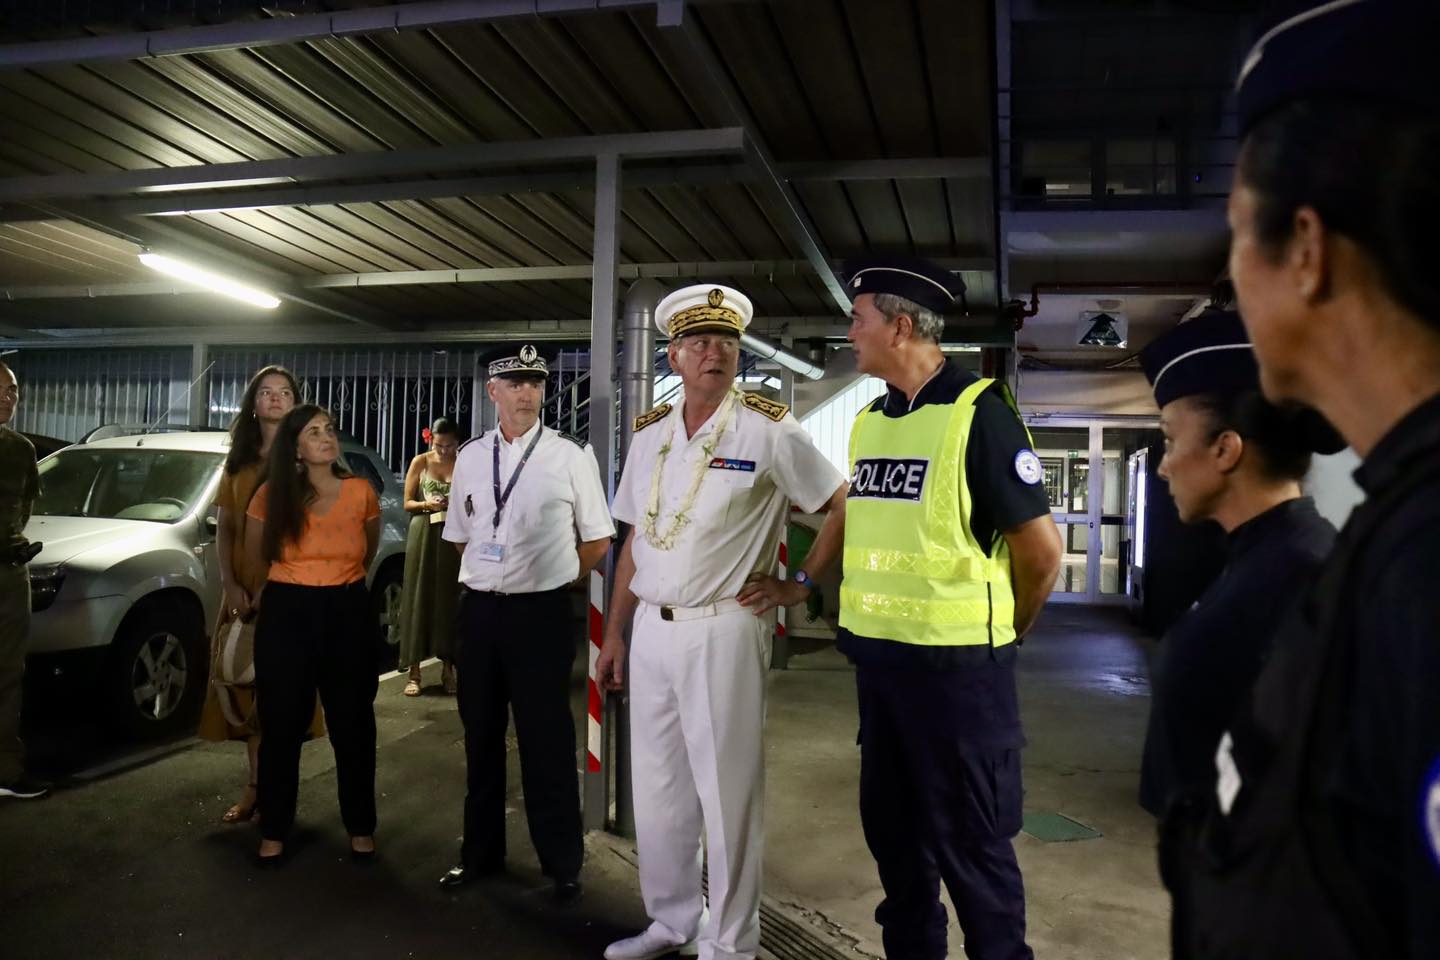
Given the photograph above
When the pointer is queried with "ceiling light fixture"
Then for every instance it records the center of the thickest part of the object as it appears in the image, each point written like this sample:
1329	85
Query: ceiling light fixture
209	281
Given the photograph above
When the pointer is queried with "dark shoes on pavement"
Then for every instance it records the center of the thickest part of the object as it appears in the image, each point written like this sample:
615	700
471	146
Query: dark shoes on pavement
460	874
24	787
566	891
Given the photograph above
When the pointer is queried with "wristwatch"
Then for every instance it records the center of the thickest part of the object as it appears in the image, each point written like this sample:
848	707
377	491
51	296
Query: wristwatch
803	578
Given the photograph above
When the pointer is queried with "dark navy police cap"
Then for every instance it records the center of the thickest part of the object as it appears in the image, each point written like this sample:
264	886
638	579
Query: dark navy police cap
1209	354
1383	50
1212	354
919	281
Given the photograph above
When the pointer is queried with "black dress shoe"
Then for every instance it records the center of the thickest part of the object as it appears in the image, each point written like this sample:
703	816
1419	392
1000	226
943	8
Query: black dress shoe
461	874
568	891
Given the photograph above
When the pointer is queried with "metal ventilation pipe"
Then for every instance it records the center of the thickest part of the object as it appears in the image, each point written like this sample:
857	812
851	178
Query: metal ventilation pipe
770	350
637	355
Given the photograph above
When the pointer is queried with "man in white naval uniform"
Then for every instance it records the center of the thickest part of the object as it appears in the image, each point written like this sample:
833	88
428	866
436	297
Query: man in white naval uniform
707	487
527	512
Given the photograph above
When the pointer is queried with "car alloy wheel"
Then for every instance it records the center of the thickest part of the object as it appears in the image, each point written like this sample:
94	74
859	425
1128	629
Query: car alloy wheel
158	676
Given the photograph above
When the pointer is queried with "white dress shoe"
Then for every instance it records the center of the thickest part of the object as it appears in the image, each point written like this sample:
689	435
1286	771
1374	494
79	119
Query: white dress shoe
649	945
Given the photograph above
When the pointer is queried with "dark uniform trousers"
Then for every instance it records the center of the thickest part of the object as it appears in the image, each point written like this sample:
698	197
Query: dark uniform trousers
309	640
936	808
516	650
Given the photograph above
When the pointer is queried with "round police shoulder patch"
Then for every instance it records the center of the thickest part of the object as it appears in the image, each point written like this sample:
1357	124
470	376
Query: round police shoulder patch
1027	467
1430	810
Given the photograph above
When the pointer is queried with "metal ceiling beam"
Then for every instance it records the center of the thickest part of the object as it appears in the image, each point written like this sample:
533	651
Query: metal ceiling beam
378	163
699	270
303	28
691	42
916	168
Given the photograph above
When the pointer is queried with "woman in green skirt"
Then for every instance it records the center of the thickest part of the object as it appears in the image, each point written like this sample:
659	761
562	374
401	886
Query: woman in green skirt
432	566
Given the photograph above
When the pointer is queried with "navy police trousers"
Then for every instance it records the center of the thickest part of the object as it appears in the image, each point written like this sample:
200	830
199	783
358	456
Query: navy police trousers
936	806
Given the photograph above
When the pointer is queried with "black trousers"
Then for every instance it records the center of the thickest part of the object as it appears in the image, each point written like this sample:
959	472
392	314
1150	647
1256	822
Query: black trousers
516	650
309	640
936	808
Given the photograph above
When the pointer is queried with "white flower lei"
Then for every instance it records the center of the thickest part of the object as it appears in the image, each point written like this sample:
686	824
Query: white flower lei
702	466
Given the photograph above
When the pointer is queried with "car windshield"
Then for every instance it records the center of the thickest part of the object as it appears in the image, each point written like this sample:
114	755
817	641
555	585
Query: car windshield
132	483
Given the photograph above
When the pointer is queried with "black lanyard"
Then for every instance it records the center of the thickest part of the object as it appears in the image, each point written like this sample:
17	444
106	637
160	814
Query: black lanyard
503	498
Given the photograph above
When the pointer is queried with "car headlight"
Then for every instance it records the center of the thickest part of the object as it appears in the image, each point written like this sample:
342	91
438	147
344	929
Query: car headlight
45	581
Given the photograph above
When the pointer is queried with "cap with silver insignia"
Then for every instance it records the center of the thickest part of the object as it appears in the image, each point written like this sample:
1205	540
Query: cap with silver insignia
919	281
704	308
1377	50
526	363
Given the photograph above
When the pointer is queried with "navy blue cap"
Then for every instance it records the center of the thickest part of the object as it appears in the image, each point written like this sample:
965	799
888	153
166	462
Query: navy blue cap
919	281
1368	49
1210	354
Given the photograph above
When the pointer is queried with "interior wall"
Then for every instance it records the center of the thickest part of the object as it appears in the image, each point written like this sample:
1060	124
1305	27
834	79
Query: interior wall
1085	393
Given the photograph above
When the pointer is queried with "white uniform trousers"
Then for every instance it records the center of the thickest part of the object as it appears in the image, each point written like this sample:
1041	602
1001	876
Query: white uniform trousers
697	720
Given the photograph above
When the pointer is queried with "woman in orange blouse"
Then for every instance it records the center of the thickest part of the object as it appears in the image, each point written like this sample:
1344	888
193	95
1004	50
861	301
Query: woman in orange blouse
316	528
269	397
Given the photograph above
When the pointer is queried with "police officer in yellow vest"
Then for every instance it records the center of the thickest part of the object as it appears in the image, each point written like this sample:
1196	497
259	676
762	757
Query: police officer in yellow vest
949	555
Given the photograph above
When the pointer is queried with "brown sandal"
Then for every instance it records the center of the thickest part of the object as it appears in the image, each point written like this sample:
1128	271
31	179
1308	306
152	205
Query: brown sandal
243	811
412	688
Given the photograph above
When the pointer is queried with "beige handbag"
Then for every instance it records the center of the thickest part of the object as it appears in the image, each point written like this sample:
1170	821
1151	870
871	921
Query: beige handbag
235	667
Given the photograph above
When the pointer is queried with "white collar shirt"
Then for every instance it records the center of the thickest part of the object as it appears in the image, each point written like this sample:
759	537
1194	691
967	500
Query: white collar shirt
756	470
556	503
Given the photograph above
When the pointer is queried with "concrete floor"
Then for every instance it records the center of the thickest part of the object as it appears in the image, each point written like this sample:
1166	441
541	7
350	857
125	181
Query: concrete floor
1084	699
134	863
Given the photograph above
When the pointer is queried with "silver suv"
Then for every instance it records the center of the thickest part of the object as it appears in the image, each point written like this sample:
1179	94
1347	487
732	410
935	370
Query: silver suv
128	585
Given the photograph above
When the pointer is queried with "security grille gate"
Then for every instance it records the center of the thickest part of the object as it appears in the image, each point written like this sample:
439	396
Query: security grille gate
384	398
67	394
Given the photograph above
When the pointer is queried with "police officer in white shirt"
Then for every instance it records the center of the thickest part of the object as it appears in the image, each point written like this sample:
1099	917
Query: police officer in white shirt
527	512
707	487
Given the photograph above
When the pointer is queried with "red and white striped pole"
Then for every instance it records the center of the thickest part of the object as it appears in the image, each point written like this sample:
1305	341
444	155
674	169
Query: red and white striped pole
781	654
595	703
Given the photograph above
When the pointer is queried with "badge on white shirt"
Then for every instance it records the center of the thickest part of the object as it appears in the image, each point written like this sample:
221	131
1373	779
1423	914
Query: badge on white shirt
492	552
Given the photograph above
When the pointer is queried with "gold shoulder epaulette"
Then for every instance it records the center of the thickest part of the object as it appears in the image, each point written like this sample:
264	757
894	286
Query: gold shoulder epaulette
650	416
773	409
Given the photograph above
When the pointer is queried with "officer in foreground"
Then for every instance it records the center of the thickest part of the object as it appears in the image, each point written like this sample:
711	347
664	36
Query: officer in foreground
707	487
527	512
1322	837
19	486
949	555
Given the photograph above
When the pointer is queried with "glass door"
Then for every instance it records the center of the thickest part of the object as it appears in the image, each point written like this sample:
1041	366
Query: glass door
1089	476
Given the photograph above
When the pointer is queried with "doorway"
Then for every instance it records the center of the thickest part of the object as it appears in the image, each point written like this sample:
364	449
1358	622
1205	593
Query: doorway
1087	474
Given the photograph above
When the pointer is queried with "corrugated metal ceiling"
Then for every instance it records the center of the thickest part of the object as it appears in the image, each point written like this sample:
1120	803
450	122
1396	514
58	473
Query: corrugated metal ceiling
825	80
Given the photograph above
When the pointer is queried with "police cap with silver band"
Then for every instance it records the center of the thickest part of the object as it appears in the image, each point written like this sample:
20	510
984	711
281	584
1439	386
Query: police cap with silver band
919	281
527	363
704	308
1210	354
1383	50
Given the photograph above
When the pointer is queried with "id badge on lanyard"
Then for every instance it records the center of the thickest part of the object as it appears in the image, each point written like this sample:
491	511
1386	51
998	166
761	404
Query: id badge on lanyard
492	550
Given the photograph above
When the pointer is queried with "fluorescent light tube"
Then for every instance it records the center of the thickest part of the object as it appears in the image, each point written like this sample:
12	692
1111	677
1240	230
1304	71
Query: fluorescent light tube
209	281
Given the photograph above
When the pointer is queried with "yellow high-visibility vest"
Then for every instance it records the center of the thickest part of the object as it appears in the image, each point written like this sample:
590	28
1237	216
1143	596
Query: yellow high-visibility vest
914	572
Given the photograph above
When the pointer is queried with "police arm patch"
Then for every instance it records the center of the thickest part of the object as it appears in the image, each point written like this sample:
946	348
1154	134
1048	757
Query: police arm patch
1027	467
1430	810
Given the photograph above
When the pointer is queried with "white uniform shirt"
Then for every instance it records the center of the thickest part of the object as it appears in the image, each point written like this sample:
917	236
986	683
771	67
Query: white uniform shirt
758	469
557	502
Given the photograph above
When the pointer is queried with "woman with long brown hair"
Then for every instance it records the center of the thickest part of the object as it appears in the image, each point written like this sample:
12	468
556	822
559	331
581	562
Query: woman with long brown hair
229	712
314	528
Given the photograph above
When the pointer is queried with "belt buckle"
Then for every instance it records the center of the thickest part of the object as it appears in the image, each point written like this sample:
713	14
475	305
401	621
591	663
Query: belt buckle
667	613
